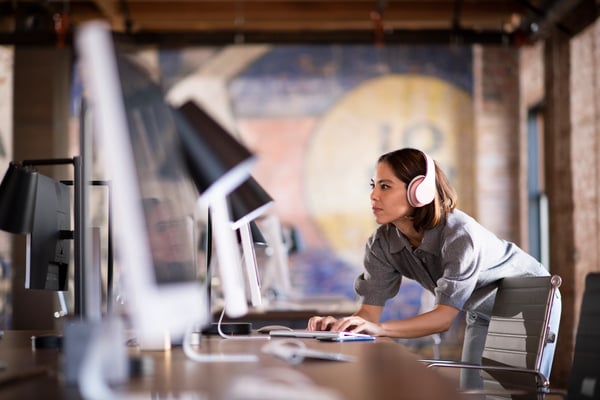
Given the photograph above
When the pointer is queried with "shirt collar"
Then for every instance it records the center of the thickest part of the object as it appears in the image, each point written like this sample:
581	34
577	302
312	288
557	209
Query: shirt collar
397	240
430	243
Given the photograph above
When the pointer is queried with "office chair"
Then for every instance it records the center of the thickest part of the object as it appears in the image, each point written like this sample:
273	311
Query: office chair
584	379
521	339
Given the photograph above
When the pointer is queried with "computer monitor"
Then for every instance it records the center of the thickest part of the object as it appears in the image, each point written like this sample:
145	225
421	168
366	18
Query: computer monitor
148	150
48	243
218	164
277	279
249	239
154	200
248	202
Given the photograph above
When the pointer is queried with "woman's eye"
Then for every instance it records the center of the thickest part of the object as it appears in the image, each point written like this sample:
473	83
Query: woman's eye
372	185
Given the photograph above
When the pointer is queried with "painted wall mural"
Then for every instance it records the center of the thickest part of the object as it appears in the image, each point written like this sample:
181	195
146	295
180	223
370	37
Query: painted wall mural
6	132
318	117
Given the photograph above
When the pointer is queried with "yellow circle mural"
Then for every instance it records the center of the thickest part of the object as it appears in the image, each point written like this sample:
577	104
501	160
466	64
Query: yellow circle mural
380	115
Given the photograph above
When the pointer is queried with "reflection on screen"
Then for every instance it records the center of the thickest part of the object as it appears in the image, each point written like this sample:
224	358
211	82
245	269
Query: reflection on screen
168	196
171	238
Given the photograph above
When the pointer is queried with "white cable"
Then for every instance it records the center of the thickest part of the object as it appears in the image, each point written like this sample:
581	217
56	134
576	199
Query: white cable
289	350
105	361
92	381
202	358
226	336
294	351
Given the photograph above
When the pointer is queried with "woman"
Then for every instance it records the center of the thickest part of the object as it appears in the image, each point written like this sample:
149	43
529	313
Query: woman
423	236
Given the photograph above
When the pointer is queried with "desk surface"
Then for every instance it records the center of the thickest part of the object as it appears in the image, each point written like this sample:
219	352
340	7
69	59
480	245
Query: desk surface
383	370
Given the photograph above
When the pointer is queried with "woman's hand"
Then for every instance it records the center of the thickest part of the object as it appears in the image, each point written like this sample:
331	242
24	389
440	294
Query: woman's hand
358	324
360	321
347	324
321	323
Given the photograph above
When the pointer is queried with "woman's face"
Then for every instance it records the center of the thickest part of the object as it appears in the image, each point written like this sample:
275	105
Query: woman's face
388	196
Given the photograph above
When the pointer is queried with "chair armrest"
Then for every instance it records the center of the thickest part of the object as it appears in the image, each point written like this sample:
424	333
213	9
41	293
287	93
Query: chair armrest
437	361
512	392
455	364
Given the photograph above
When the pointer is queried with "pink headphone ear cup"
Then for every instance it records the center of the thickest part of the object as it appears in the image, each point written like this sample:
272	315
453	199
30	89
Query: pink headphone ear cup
411	191
421	190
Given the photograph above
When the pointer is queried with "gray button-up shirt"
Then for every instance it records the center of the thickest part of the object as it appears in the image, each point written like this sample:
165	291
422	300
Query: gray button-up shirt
459	261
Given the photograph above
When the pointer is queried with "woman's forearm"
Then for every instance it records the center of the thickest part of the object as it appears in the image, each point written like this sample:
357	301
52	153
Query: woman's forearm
435	321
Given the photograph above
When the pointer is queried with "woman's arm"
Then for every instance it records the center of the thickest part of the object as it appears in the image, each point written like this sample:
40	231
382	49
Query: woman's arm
365	321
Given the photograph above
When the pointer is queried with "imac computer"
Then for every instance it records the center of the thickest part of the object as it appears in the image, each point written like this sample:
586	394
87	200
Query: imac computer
249	202
218	165
151	153
151	192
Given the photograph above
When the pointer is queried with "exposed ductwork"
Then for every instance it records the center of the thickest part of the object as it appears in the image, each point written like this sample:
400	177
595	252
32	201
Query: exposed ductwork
177	22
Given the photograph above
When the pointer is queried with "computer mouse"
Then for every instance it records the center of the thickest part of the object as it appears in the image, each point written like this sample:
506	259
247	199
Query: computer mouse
268	328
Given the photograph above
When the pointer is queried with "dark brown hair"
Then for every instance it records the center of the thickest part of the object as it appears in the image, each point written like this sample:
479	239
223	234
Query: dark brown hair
408	163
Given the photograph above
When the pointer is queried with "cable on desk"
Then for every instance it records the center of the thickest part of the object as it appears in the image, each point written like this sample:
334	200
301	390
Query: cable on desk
202	358
226	336
93	383
289	350
294	351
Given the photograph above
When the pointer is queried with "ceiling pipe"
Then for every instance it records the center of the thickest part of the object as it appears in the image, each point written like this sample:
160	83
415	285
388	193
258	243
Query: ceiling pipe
217	38
553	17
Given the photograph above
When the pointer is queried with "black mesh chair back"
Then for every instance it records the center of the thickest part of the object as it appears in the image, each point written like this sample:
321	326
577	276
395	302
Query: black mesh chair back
584	380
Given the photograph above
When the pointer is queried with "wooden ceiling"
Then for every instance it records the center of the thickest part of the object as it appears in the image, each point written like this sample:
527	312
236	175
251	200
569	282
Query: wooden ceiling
277	21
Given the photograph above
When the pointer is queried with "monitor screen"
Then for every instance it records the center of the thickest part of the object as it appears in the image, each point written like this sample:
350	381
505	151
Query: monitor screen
157	158
250	237
48	252
172	238
156	217
167	195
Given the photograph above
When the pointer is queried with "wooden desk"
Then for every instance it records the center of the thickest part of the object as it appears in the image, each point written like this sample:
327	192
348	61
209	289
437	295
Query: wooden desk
383	370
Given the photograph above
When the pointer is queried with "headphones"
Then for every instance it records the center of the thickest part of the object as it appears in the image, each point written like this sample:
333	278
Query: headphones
421	190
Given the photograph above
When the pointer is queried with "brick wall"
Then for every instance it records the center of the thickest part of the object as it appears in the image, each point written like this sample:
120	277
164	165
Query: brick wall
572	170
562	74
585	128
497	140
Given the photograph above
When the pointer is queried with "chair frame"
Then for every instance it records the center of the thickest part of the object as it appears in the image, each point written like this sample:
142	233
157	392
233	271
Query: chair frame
548	335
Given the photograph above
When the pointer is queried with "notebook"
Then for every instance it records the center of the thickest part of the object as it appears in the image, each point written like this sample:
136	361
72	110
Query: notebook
322	335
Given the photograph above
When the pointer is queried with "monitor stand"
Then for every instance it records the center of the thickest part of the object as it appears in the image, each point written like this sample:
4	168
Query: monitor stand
228	328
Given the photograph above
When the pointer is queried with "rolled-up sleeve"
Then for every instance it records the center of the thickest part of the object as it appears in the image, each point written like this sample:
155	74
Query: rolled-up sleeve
461	261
